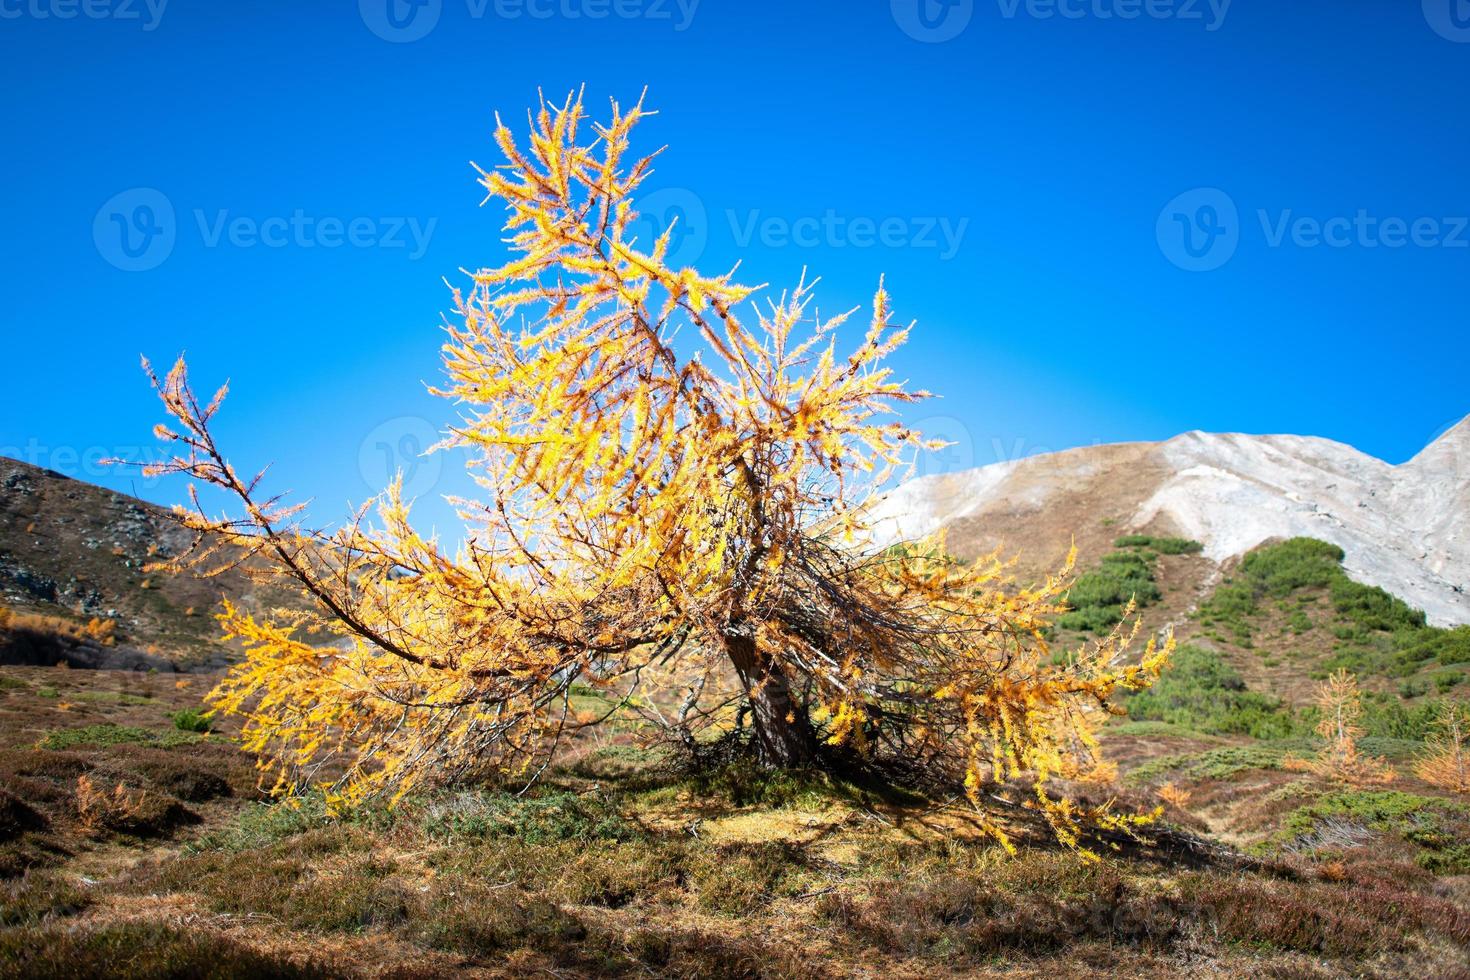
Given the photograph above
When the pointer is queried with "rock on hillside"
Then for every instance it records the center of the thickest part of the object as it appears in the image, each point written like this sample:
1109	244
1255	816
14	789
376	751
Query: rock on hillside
1405	529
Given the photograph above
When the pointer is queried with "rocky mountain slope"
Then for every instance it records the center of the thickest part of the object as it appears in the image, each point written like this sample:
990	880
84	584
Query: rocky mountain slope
71	553
1405	528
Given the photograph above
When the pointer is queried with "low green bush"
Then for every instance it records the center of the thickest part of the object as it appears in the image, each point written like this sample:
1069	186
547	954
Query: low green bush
1098	597
1436	827
1200	691
1164	546
1219	763
94	736
191	720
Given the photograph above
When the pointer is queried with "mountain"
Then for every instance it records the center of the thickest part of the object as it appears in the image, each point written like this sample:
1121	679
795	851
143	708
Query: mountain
71	553
1405	528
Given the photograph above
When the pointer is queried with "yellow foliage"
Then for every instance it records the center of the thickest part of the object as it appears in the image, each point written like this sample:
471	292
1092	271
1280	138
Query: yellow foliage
101	629
664	523
96	629
1446	759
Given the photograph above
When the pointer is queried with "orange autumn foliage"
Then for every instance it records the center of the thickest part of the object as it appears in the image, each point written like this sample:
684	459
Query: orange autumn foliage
1341	705
1445	761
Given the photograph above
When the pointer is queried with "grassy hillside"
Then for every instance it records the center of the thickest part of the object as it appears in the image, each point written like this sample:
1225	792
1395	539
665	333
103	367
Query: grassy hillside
1238	707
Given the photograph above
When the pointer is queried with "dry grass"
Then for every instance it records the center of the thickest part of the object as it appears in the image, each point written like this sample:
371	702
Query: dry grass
608	871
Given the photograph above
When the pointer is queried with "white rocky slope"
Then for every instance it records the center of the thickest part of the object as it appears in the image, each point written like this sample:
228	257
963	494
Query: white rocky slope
1404	528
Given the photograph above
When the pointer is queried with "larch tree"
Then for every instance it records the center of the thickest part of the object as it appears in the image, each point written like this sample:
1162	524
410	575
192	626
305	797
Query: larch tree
1340	708
679	526
1445	761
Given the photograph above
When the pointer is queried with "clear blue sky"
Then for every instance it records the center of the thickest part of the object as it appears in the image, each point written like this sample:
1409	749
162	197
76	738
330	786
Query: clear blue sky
1025	173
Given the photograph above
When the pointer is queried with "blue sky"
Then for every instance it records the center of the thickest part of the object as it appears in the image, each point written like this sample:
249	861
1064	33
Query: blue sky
1112	219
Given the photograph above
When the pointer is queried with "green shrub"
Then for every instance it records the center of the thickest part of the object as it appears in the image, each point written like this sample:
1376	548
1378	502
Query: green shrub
1097	597
1387	717
191	720
1413	689
1200	691
1164	546
265	824
95	735
1370	608
1445	680
1220	763
1435	826
115	697
1447	647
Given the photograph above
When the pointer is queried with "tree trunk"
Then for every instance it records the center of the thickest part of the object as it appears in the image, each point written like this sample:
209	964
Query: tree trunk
783	733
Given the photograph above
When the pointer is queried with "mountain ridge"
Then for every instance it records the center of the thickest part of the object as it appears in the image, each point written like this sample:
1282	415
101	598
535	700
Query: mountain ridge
1403	527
